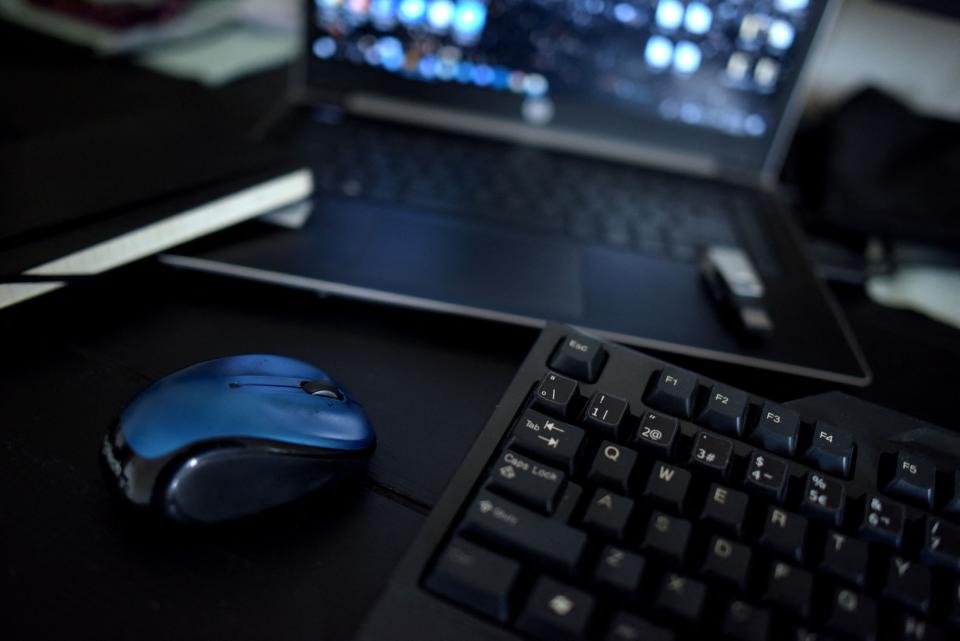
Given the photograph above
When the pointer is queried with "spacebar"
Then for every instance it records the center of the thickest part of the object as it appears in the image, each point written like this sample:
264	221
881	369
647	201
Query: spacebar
508	526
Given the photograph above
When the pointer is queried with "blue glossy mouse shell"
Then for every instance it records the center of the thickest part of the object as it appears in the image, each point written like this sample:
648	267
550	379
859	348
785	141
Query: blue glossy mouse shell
254	397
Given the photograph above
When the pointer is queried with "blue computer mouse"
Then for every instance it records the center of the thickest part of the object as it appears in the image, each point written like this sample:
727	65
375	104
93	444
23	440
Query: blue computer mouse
234	436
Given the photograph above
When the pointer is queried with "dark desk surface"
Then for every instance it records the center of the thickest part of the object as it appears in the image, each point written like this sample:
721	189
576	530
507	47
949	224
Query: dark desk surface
74	564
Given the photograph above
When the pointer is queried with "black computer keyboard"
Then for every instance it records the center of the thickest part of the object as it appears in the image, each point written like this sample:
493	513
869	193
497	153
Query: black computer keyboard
615	497
589	200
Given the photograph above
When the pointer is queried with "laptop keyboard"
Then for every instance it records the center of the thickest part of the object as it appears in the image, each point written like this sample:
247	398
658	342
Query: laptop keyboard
629	499
588	200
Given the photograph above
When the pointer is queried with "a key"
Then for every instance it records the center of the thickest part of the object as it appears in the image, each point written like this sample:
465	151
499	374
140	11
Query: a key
727	561
845	558
556	611
725	508
628	627
777	430
668	486
725	410
668	536
674	392
911	628
883	521
620	571
658	435
579	357
548	439
604	413
475	578
941	545
789	588
513	528
613	466
824	498
554	394
853	615
681	597
609	514
767	475
745	622
831	450
784	533
568	502
526	481
908	583
712	453
914	479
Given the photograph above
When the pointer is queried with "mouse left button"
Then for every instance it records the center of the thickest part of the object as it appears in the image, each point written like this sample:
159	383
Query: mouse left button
230	482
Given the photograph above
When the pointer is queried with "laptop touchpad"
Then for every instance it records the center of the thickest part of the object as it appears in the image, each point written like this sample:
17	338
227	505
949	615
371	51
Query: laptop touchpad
446	260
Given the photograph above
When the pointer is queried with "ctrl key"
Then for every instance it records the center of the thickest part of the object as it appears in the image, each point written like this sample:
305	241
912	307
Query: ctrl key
475	578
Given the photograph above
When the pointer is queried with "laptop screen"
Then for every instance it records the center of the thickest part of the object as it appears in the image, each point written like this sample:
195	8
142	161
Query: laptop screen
707	77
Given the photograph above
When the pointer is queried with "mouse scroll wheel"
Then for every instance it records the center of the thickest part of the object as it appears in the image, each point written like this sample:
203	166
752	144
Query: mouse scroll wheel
321	388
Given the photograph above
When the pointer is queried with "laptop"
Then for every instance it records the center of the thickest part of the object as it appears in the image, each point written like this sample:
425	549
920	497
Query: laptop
569	160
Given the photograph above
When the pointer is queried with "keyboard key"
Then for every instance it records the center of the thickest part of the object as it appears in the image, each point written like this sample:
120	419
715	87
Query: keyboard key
784	533
952	508
668	536
608	514
911	628
668	486
475	578
547	439
845	558
579	357
767	475
568	502
777	430
790	588
627	627
526	481
613	466
941	545
681	597
953	604
712	453
620	570
658	435
556	611
883	521
908	583
725	410
674	392
745	622
554	394
803	633
605	414
853	614
728	561
914	479
824	498
513	528
725	508
831	450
